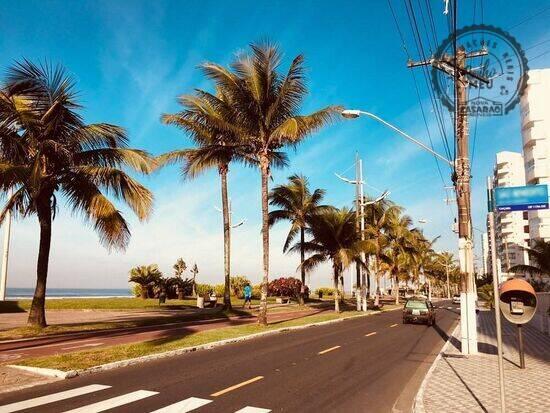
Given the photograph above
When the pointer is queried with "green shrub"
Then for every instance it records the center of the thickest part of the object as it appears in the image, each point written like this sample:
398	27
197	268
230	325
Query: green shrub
219	289
327	291
237	285
136	290
257	292
485	293
203	289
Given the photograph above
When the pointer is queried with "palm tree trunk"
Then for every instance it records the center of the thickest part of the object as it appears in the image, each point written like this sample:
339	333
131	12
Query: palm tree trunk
37	314
226	239
264	167
144	291
336	289
302	269
396	288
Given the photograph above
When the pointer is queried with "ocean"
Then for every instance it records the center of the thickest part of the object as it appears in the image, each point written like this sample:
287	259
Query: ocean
19	293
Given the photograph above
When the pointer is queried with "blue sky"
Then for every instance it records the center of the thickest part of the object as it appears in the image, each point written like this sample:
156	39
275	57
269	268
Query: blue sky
133	58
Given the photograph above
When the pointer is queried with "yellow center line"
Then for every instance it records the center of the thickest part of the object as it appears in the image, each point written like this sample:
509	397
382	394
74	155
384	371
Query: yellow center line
394	325
370	334
236	386
328	349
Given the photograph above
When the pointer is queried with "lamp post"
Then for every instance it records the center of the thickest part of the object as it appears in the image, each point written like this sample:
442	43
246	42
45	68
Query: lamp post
468	316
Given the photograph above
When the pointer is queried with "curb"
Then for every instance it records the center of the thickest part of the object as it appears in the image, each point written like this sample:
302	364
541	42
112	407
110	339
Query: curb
138	360
418	404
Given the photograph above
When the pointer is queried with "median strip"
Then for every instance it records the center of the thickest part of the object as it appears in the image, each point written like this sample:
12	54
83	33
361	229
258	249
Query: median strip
236	386
328	349
370	334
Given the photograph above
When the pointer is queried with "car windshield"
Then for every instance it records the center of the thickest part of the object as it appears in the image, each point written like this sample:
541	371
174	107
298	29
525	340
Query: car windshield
417	305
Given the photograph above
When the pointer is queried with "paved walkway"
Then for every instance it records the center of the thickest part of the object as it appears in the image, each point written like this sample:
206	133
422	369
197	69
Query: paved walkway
470	384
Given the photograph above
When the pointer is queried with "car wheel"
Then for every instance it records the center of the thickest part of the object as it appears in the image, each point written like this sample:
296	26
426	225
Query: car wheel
405	321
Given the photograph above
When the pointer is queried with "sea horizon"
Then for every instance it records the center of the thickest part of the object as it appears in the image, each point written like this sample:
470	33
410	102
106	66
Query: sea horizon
27	292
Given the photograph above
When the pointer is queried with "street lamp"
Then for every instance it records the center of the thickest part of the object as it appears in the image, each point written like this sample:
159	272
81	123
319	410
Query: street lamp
468	319
354	113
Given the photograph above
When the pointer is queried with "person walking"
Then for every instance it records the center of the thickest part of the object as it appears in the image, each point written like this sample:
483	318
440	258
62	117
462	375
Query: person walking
247	296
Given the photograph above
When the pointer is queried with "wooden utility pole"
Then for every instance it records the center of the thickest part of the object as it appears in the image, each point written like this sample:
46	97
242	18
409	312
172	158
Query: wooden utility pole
455	66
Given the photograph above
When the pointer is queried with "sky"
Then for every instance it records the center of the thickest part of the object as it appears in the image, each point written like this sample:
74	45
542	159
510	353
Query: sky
131	59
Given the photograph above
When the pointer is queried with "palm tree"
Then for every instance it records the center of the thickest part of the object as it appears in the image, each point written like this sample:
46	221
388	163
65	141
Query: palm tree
378	216
297	204
539	255
179	268
194	271
207	118
265	112
334	238
396	254
146	276
47	151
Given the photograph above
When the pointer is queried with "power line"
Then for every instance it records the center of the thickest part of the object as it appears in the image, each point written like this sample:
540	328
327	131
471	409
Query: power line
538	13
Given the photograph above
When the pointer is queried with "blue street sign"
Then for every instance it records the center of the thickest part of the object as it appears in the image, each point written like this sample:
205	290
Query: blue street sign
521	198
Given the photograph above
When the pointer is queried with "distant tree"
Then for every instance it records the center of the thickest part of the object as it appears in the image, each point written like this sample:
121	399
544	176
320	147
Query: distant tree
194	271
147	276
539	256
177	281
296	204
335	238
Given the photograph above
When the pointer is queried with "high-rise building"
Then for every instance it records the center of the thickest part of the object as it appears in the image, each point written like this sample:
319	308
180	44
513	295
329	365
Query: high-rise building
485	263
511	228
535	131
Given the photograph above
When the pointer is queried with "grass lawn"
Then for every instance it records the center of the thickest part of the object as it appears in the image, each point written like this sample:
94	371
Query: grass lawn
192	314
90	358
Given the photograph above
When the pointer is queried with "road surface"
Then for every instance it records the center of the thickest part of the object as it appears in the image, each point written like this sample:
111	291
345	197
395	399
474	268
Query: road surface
11	351
367	364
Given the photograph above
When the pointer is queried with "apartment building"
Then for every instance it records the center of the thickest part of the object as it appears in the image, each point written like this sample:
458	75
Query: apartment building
535	131
511	228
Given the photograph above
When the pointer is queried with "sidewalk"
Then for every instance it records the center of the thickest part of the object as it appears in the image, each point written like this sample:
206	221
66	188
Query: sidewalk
470	384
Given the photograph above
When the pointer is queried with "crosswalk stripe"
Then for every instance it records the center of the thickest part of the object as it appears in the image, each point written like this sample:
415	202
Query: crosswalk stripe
113	402
51	398
184	406
250	409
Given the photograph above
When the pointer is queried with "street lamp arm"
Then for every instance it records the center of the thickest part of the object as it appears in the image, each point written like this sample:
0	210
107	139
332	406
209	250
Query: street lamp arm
349	181
399	131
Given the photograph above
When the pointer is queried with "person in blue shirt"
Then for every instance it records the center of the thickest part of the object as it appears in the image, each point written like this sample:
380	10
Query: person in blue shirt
247	296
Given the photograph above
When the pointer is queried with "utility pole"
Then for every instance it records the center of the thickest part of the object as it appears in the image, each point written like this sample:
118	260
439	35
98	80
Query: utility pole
455	66
365	285
5	254
358	202
448	284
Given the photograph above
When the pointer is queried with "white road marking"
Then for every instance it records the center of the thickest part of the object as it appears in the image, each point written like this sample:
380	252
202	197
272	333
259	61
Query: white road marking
250	409
184	406
449	308
51	398
328	349
393	325
82	345
236	386
114	402
370	334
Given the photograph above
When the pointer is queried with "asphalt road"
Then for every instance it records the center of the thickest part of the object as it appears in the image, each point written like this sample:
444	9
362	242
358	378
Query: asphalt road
15	350
370	364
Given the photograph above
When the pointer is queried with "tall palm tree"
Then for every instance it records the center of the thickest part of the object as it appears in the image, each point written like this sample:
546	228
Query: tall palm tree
378	216
47	151
266	107
539	255
297	204
334	238
207	118
396	254
146	276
